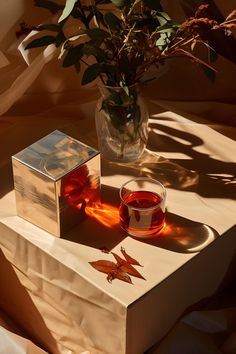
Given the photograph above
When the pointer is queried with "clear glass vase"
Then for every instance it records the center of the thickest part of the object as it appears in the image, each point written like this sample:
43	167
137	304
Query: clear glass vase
121	123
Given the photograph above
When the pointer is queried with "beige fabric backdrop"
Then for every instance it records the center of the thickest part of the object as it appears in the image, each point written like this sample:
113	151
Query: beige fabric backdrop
183	88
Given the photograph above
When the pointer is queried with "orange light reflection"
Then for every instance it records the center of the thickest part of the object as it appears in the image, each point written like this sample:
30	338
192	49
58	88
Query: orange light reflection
106	214
175	233
167	229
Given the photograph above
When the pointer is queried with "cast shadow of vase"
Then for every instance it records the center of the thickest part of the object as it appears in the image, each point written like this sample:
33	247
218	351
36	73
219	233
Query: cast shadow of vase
183	235
152	165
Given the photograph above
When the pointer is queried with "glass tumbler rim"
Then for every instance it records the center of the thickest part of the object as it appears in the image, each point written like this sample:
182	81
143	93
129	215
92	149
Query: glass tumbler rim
139	179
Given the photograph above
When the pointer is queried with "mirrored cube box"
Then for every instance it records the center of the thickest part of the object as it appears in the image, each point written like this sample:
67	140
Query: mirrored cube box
55	180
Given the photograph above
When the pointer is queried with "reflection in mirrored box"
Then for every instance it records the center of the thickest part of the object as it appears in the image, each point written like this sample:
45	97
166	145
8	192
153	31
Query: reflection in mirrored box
54	180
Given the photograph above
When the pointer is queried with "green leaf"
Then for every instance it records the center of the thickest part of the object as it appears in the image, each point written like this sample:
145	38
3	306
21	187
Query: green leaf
212	55
121	3
210	74
126	89
97	52
114	98
107	68
73	55
47	4
163	40
124	63
96	15
77	36
41	42
99	18
77	66
112	21
163	17
91	73
97	33
169	26
153	4
67	9
49	27
59	39
150	22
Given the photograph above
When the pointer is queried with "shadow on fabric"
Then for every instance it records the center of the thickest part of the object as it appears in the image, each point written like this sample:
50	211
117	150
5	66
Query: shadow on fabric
193	171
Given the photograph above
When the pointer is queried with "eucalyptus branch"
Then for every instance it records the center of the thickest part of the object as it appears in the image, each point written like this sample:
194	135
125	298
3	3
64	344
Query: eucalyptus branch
181	42
132	7
84	62
125	46
130	42
183	53
228	22
226	25
103	81
83	15
126	39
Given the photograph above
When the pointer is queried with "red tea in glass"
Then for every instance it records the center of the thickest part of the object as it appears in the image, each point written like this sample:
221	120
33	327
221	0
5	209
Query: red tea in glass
142	207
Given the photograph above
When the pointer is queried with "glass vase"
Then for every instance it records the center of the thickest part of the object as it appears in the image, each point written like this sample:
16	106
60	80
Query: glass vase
121	123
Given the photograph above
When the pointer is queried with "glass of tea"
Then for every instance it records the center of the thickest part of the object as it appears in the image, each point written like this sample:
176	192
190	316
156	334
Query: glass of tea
142	207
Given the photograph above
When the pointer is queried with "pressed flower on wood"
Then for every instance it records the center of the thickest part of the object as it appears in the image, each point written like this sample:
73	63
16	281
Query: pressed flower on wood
122	269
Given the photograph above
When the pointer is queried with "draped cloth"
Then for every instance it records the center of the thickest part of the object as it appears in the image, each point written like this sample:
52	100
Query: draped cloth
37	94
30	78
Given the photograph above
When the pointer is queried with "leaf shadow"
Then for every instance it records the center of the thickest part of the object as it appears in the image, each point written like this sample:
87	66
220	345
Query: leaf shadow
193	170
150	164
217	178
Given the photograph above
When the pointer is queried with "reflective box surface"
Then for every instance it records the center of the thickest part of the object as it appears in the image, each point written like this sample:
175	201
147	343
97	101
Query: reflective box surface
55	179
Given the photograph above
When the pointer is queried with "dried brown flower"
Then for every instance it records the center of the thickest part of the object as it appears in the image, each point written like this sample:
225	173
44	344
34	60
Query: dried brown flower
202	11
198	26
125	43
